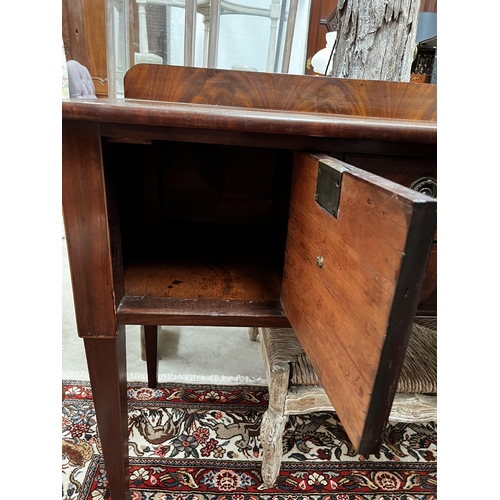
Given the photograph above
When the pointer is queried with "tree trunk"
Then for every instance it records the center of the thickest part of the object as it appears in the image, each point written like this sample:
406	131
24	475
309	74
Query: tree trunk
376	39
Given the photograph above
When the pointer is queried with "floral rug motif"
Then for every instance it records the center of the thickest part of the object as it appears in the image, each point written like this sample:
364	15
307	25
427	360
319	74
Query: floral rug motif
196	442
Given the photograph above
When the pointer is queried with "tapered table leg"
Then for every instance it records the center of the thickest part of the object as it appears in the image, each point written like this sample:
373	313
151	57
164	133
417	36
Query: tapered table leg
151	347
108	378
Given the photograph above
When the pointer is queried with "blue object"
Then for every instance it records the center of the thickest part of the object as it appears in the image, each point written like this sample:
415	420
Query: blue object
427	26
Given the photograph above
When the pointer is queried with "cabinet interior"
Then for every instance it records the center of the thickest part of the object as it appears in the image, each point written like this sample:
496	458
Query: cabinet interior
200	221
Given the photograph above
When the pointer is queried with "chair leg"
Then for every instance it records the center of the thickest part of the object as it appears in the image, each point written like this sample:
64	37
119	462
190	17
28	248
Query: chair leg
149	352
253	332
274	420
271	436
143	344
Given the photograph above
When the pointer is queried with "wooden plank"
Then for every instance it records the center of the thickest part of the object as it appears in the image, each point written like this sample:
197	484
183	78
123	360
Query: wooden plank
298	93
183	262
90	244
243	120
334	147
195	278
346	314
405	171
200	312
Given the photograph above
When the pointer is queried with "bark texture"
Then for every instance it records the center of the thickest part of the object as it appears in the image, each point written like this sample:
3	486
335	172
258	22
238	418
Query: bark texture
376	39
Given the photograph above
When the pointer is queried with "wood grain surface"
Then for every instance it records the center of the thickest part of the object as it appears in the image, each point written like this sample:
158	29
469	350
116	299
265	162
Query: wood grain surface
203	312
406	170
341	312
107	364
87	231
200	279
248	120
298	93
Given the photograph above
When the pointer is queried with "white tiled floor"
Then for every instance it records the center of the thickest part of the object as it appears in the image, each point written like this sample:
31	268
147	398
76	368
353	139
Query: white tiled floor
187	354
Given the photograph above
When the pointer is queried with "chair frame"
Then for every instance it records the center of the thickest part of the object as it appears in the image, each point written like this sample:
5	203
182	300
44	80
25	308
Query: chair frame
286	399
211	11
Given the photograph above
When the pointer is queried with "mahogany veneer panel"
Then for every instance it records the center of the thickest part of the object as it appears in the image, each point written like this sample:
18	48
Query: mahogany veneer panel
272	91
348	313
247	120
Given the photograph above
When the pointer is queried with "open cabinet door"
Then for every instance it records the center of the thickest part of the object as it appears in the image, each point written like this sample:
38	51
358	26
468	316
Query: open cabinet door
355	260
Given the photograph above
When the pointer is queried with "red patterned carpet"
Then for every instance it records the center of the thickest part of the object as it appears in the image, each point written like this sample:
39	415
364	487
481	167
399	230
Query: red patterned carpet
195	442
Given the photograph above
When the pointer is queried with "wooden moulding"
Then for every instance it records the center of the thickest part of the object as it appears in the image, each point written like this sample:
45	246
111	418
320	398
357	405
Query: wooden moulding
193	280
202	312
126	133
241	101
204	116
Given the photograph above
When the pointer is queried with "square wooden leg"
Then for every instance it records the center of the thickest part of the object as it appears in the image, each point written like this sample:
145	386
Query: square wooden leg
150	333
108	377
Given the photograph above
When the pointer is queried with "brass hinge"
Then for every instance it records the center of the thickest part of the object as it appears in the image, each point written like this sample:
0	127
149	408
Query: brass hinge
328	186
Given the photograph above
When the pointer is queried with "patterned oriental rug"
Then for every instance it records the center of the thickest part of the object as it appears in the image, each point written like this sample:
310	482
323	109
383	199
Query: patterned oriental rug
197	442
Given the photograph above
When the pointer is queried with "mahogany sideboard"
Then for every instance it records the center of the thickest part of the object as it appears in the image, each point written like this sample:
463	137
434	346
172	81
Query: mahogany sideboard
213	197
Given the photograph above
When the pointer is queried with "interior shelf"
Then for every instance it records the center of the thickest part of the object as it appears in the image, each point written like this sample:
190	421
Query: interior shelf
200	226
209	261
200	312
